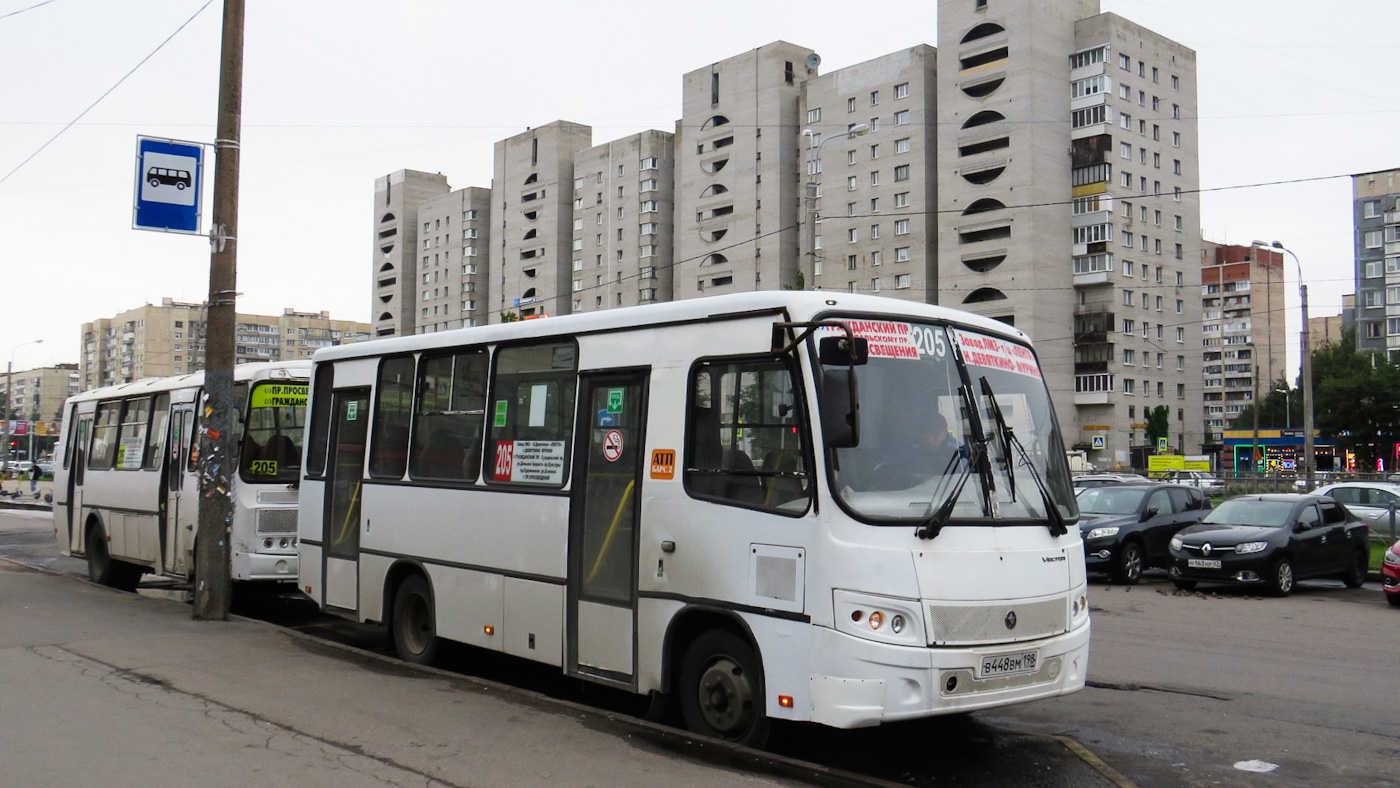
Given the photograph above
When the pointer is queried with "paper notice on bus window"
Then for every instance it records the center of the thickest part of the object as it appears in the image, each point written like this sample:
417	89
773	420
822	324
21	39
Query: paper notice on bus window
539	397
885	338
131	449
532	462
980	350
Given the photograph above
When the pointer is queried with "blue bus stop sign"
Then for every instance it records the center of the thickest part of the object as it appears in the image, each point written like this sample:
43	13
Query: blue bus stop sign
169	185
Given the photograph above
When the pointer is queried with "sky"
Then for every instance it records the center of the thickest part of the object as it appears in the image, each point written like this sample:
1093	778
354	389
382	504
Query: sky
336	93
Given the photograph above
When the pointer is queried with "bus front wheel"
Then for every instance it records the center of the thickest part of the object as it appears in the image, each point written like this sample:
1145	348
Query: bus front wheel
721	689
414	625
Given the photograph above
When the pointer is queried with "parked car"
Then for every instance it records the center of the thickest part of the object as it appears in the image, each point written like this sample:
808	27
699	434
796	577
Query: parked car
1126	527
1272	541
1320	478
1213	485
1390	575
1371	501
1100	479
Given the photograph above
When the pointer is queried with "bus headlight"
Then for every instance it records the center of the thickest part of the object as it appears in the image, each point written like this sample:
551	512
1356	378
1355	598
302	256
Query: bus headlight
883	619
1079	606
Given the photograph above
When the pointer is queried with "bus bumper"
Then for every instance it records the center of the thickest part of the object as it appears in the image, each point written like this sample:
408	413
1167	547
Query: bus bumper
857	683
265	566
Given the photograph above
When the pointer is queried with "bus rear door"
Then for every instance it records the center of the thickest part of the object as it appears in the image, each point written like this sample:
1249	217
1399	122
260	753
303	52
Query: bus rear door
603	525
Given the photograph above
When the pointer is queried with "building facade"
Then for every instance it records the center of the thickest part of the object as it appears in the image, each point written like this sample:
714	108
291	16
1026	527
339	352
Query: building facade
1244	345
34	400
875	194
397	196
623	209
1376	214
1094	253
158	341
453	282
738	173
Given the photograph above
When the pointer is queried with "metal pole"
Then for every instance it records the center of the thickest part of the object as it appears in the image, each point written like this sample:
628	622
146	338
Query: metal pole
1254	453
213	587
1308	452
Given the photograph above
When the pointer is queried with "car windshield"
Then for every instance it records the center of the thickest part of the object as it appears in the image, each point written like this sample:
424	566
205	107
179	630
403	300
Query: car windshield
1110	500
1251	511
917	432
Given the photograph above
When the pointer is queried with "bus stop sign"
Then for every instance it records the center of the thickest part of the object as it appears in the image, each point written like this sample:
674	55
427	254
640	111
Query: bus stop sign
169	184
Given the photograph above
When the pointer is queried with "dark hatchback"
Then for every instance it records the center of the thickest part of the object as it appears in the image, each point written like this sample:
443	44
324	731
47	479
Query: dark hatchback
1126	527
1272	541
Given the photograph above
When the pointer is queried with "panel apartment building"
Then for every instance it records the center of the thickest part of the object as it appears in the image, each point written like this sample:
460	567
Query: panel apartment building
1067	184
39	393
1244	344
1376	213
156	341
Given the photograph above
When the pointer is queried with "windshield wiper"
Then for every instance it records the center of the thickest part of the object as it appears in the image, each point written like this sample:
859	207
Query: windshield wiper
977	458
1008	437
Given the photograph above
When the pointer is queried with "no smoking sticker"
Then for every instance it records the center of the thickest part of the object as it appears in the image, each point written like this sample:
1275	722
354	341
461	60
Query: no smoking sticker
612	445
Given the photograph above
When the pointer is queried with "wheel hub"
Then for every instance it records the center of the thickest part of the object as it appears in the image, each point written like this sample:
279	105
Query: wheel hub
726	697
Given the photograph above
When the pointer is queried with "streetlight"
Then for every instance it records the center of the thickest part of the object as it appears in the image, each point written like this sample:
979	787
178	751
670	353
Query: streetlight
814	169
1287	407
1309	459
10	401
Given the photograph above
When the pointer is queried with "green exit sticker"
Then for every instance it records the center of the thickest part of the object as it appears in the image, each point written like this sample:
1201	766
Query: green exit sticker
501	412
352	410
614	400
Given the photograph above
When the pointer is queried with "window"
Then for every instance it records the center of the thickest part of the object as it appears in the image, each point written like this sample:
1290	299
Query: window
851	235
875	178
901	90
1176	139
852	261
874	232
852	183
104	435
1181	335
874	151
648	206
1125	62
1176	82
901	118
532	414
814	115
901	200
1371	209
850	105
901	172
649	185
901	146
1129	326
874	98
450	417
648	163
746	445
901	254
901	281
1089	116
1128	387
850	157
1129	356
393	405
1088	57
1372	239
1125	150
901	227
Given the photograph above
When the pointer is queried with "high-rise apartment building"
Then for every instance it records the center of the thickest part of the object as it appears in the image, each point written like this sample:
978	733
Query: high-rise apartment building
1068	181
876	191
623	207
39	393
1244	344
738	173
532	220
156	341
394	309
1376	213
453	237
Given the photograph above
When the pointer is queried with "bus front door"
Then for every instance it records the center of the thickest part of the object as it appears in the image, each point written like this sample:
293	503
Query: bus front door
604	513
341	521
182	492
76	458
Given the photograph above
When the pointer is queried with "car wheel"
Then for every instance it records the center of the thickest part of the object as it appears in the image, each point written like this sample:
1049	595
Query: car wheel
414	625
721	689
1356	573
1128	571
1280	577
1185	585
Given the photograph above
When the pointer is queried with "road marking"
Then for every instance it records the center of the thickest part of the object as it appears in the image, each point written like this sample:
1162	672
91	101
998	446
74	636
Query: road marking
1095	761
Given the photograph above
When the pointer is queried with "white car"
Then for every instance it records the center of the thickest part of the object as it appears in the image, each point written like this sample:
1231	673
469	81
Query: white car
1370	501
1198	479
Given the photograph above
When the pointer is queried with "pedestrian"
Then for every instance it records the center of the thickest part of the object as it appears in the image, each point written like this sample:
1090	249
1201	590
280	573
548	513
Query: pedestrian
34	477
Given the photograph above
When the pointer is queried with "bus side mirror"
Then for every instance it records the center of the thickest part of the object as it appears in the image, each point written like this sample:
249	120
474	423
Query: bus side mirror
839	351
840	414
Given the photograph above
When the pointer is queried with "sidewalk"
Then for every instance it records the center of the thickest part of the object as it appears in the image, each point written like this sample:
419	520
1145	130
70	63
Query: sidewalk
103	687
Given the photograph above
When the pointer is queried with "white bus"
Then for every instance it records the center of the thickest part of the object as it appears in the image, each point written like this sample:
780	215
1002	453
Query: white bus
719	501
126	485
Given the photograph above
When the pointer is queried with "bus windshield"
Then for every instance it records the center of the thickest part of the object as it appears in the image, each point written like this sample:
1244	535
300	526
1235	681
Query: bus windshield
270	451
952	422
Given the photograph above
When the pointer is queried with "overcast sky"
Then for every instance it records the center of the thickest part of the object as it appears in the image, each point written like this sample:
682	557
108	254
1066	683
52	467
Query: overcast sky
339	92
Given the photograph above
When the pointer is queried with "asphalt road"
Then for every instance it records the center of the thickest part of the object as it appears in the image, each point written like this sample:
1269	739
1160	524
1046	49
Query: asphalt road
1186	689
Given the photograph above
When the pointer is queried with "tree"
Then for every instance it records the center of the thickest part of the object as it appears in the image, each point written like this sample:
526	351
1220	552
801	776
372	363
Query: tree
1159	423
509	317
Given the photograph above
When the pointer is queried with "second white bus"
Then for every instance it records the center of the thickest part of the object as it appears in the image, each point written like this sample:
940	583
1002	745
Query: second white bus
719	501
126	481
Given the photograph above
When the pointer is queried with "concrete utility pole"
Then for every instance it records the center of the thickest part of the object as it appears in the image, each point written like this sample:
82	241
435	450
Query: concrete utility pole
213	588
1309	456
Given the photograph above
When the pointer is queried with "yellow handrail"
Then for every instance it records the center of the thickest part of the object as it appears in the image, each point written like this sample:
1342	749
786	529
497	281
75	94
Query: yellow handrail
612	531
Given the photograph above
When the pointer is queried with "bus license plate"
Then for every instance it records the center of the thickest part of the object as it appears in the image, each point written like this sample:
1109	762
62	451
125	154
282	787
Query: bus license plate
996	665
1203	563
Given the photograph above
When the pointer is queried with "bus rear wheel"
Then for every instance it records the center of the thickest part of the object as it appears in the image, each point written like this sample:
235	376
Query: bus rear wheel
414	625
721	689
105	571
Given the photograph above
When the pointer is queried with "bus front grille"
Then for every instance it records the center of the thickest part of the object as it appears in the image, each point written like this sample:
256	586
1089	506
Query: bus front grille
278	522
1001	622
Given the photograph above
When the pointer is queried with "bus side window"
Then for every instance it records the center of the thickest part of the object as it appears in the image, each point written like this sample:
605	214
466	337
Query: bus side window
746	443
320	420
450	414
532	414
393	406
